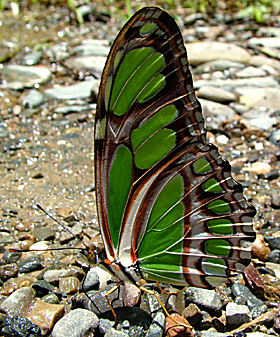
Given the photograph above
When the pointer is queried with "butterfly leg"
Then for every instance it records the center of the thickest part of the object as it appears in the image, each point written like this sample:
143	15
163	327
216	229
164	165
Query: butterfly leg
174	292
163	307
109	302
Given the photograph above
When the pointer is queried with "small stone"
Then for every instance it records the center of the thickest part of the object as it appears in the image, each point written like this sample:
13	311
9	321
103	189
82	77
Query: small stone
33	58
91	281
250	72
43	233
104	325
237	314
10	257
177	325
69	285
258	167
42	287
8	270
19	327
115	333
258	310
18	302
33	99
51	298
204	299
216	94
193	314
75	324
275	267
156	329
44	315
273	241
275	200
30	264
274	256
260	248
18	76
81	90
239	289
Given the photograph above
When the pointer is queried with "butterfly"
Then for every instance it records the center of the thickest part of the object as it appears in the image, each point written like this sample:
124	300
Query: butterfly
168	209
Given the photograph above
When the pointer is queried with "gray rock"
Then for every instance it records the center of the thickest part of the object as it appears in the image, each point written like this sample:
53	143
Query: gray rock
19	77
216	94
205	299
43	233
10	257
156	329
206	51
260	82
68	109
216	113
265	41
258	310
237	314
239	289
275	137
75	324
250	72
18	302
30	264
33	58
91	48
115	333
76	91
33	99
90	63
274	256
260	60
104	325
273	241
272	31
275	267
260	97
257	119
91	280
18	326
217	65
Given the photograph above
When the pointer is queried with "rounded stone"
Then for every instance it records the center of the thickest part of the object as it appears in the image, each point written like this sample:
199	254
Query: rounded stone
75	324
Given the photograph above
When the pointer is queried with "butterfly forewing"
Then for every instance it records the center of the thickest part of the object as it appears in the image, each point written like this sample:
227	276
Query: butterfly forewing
165	198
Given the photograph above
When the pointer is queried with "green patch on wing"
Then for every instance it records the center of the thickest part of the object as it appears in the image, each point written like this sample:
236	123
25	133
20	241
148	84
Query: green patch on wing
138	72
120	179
148	28
165	230
219	207
220	226
212	185
201	166
218	247
151	141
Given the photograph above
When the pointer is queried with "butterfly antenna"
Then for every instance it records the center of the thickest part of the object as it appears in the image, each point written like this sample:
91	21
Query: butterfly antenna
59	223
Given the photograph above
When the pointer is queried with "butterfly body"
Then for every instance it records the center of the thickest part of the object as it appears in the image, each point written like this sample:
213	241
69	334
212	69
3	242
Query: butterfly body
168	207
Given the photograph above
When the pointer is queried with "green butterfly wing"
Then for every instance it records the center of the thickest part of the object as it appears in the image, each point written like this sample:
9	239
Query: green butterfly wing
167	204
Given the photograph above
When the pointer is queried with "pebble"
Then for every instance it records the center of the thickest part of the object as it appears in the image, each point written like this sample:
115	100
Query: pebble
206	51
91	281
266	41
18	302
275	200
33	99
217	65
216	113
273	241
75	324
205	299
80	90
156	329
216	94
19	327
274	256
10	257
44	314
93	64
18	77
30	264
104	325
115	333
69	285
33	58
42	287
193	314
258	168
264	97
250	72
275	267
91	48
237	314
239	289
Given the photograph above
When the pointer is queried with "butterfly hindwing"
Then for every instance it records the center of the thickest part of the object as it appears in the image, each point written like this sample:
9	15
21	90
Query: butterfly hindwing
165	198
